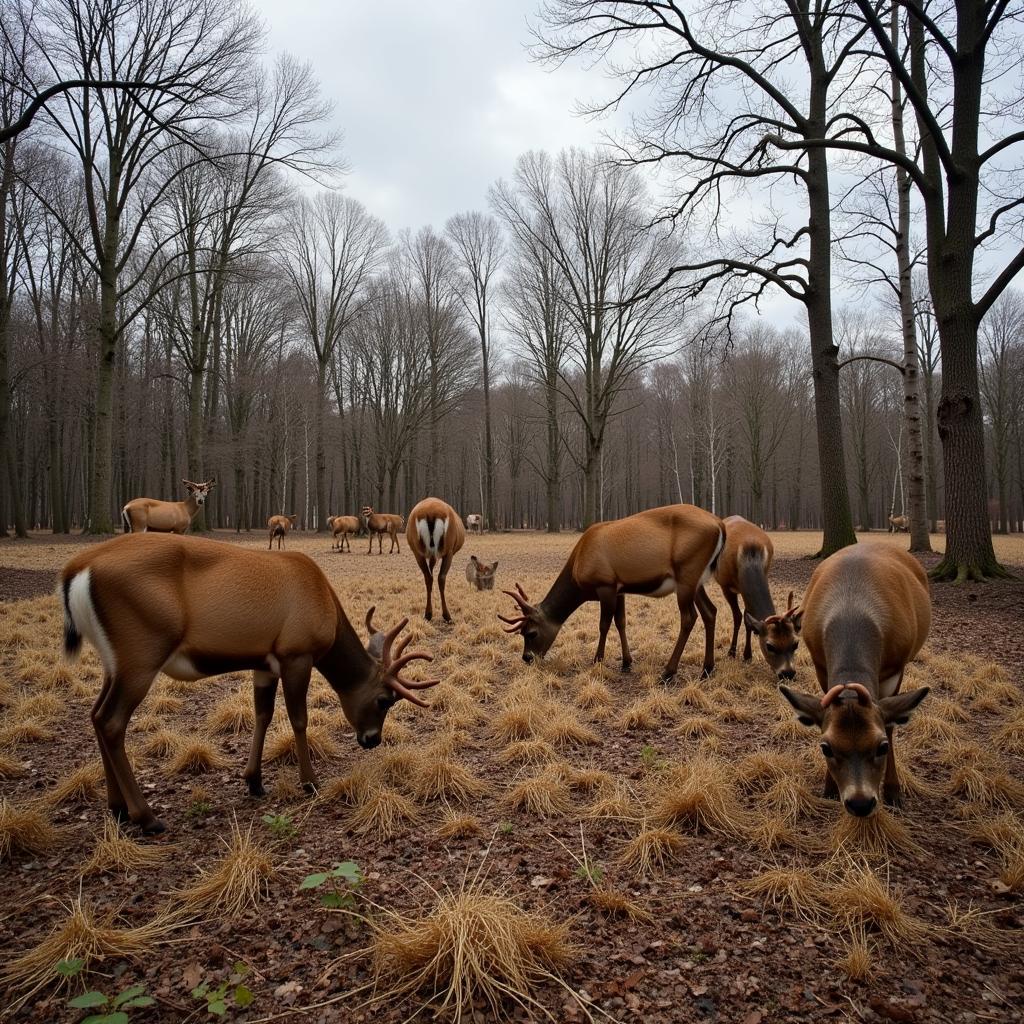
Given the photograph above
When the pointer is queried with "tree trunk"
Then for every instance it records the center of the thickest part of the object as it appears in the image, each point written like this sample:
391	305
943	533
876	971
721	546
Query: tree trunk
100	520
321	454
488	509
553	481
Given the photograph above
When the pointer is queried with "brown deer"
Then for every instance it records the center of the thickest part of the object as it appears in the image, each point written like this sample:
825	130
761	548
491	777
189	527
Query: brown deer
192	608
475	521
742	571
142	515
866	614
662	551
899	524
434	532
279	527
380	523
343	525
480	574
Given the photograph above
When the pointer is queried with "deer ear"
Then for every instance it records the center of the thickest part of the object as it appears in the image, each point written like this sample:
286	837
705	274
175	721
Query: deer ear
188	484
472	558
808	707
796	616
754	625
897	710
493	567
212	482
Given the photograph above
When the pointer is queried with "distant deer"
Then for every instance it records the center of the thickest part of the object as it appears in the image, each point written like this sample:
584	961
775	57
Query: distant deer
899	524
343	525
278	527
662	551
866	614
434	532
480	574
380	523
475	521
743	570
143	515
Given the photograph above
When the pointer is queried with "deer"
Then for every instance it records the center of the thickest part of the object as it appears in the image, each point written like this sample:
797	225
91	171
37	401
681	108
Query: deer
479	574
279	527
193	608
435	532
670	550
866	614
742	571
899	524
475	521
380	523
145	515
343	525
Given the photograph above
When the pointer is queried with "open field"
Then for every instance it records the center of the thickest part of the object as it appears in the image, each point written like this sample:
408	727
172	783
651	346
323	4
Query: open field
650	852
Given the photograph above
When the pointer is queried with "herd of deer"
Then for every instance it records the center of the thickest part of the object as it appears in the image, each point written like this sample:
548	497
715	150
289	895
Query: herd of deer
191	608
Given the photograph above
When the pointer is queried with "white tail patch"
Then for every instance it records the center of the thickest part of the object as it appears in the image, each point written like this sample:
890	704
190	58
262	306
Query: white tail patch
83	615
431	542
706	575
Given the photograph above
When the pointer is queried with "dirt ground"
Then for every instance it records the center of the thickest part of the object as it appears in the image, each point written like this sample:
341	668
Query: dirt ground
695	939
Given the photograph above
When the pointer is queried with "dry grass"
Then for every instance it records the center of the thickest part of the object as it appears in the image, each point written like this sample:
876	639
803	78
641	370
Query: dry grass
1004	834
117	853
563	729
772	832
25	828
383	812
880	837
699	794
857	961
11	766
28	730
1009	737
592	695
544	795
193	756
794	889
163	703
162	743
648	711
237	882
985	783
471	946
281	745
613	903
81	785
439	777
233	714
651	850
458	826
618	803
697	726
527	752
858	898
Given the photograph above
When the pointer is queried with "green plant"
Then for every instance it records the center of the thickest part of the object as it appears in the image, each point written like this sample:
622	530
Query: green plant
233	989
199	808
592	873
336	897
650	757
114	1008
506	827
280	825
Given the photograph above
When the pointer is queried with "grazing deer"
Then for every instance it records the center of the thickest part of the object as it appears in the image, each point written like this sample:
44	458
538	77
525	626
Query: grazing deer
475	520
142	515
380	523
662	551
434	532
192	608
278	527
742	571
343	525
899	524
866	614
480	574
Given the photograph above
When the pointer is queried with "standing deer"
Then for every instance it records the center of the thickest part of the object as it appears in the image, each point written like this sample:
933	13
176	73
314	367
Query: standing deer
142	515
279	527
475	521
434	532
742	571
480	574
866	614
662	551
192	608
343	525
380	523
899	524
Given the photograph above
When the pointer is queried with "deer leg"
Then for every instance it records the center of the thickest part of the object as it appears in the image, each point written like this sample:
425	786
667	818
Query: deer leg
606	595
708	615
123	696
442	576
891	783
687	617
116	802
620	625
264	691
428	579
830	791
734	606
295	683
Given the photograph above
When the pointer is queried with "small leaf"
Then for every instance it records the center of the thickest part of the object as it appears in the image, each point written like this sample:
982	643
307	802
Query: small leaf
348	870
69	968
312	881
200	990
128	993
241	969
243	996
218	1008
87	1000
332	900
139	1001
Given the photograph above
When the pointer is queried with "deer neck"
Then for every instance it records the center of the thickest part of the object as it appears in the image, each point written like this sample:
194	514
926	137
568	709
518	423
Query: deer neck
853	651
191	506
563	598
346	663
757	598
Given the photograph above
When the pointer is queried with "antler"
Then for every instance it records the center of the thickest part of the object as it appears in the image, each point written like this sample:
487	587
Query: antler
863	697
394	662
370	627
519	596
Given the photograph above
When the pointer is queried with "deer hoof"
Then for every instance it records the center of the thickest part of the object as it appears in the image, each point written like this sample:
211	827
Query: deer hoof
666	678
447	618
153	827
627	668
255	787
121	815
707	672
731	653
310	788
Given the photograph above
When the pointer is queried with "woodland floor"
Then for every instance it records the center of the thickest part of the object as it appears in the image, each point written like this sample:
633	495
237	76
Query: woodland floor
572	773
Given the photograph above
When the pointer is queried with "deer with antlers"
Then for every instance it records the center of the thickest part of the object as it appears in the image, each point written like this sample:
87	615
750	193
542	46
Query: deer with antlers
279	527
866	615
435	532
379	523
193	608
742	571
142	515
662	551
343	525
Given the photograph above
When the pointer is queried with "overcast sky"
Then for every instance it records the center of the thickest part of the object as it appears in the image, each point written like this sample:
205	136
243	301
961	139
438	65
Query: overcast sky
436	98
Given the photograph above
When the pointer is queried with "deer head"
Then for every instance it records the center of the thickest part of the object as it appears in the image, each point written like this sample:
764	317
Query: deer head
854	736
538	629
778	638
480	574
199	491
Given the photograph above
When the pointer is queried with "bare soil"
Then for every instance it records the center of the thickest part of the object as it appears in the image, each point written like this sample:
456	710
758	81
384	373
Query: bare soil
704	951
